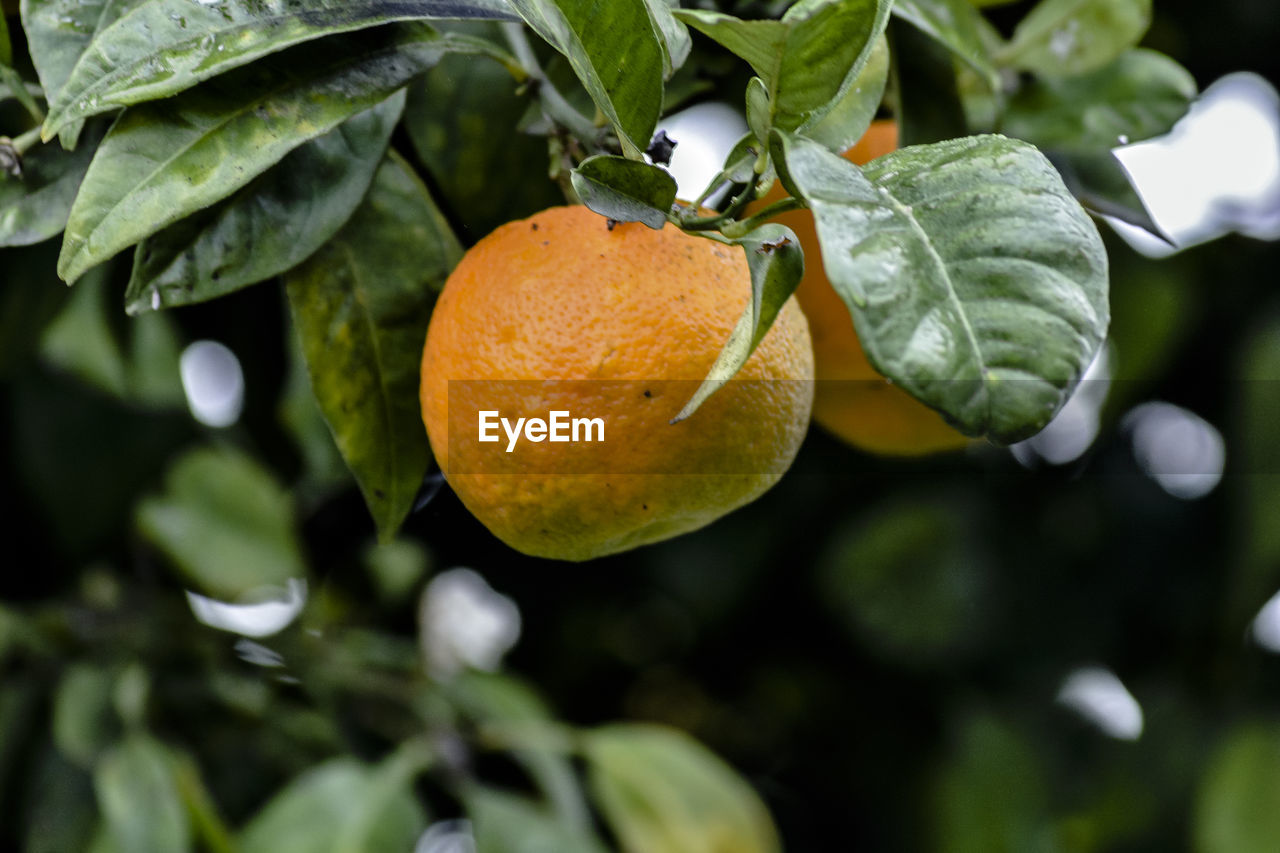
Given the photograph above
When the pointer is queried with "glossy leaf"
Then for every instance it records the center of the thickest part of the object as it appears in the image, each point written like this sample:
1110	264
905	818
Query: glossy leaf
225	523
809	59
1062	37
35	207
138	798
955	24
508	822
625	190
314	813
271	225
163	161
361	306
673	36
1077	121
1140	95
975	281
1235	809
615	52
850	117
58	31
661	790
777	265
162	47
461	117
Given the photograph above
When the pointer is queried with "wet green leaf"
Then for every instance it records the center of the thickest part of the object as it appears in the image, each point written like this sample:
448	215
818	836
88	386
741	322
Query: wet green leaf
615	52
1062	37
58	31
1235	809
461	118
162	47
809	59
271	225
1140	95
777	265
625	190
955	24
361	306
325	809
226	524
35	207
975	281
661	790
138	798
673	36
1078	120
166	160
852	114
509	823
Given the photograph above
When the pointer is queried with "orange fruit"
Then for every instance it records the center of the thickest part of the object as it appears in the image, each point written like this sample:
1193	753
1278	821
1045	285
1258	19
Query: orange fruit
564	312
852	400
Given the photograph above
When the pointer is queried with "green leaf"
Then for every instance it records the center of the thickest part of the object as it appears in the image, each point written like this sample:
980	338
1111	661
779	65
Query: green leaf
501	699
777	265
615	52
507	823
361	306
849	119
975	281
809	59
58	31
138	798
673	36
1101	183
61	813
6	49
1062	37
341	806
135	362
659	789
35	207
1140	95
990	797
83	723
625	190
162	47
323	470
270	226
1235	809
954	24
1077	121
461	117
225	523
29	300
163	161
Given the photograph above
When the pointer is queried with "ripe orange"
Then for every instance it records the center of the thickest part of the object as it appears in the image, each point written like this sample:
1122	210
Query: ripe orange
852	400
564	312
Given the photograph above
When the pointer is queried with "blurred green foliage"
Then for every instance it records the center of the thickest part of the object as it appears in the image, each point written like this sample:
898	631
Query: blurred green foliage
875	647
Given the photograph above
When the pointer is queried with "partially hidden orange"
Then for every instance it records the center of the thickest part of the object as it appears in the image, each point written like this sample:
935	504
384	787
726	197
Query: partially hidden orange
567	312
852	400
